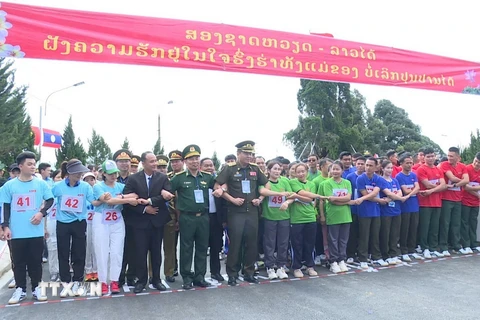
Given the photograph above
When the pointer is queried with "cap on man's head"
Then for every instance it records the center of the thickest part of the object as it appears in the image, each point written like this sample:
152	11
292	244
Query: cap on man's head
162	160
109	167
246	146
13	167
175	155
76	167
191	151
122	154
230	157
135	161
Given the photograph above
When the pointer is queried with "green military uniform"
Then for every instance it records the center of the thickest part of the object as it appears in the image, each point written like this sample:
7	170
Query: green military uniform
242	182
174	155
193	204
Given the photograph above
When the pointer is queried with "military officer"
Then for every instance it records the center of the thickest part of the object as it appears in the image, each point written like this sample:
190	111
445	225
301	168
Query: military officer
162	163
238	184
192	187
123	159
176	162
134	162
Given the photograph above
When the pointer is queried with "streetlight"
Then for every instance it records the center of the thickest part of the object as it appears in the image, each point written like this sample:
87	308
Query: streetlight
159	135
41	113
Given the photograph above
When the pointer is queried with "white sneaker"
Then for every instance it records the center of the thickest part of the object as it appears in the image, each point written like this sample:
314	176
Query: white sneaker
37	295
416	256
427	254
363	265
12	284
446	253
311	272
350	260
271	274
343	266
437	254
418	249
391	261
281	274
17	296
469	249
317	261
298	273
477	249
380	262
75	287
397	260
406	258
334	267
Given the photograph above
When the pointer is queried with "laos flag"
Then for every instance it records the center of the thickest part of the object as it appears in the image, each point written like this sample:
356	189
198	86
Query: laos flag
52	139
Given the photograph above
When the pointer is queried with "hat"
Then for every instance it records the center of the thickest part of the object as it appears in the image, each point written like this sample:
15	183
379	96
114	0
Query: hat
76	167
246	146
89	174
191	151
13	167
135	161
162	160
175	155
230	157
122	154
109	167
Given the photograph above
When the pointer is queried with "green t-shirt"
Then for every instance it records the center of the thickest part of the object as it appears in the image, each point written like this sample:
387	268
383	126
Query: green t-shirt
336	214
318	181
312	175
301	212
271	205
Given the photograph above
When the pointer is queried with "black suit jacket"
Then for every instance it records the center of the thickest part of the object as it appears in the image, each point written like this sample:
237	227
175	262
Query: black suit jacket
137	183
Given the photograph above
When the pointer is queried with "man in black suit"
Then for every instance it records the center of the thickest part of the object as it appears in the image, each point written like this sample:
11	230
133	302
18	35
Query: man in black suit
148	218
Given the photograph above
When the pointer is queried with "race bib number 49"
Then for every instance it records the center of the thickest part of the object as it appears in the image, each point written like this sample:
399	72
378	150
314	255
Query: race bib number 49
23	202
275	201
72	204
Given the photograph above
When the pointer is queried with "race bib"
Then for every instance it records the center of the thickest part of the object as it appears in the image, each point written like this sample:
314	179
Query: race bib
453	189
53	213
90	215
111	216
275	201
72	204
340	192
369	188
391	204
410	188
434	181
474	184
23	202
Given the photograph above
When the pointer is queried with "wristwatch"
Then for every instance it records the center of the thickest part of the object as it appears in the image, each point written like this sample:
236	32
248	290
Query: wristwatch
224	189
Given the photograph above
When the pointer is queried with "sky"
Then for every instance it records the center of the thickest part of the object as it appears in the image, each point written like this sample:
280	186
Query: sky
216	110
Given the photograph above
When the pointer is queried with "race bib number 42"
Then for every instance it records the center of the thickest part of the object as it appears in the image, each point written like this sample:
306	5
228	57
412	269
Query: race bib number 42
23	202
72	204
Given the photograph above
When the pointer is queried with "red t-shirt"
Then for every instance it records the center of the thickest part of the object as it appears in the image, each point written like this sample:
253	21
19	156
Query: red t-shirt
416	166
452	194
432	174
467	198
396	170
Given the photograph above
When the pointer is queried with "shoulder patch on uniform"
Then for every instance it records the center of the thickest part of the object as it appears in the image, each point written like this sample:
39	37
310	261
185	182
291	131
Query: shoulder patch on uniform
178	173
231	164
205	172
253	164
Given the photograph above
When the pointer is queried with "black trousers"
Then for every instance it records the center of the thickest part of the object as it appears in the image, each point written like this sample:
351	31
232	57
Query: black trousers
390	236
368	238
215	243
74	233
128	256
148	239
27	253
408	232
319	246
353	238
302	238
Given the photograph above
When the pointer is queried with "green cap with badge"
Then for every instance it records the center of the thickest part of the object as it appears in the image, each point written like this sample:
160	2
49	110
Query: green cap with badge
191	151
162	160
246	146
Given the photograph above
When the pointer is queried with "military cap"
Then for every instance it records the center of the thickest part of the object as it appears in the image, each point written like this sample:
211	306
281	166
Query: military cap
122	154
162	160
246	146
135	161
191	151
175	155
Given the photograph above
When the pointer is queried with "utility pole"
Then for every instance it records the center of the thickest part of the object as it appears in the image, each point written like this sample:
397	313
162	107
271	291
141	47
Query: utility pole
159	137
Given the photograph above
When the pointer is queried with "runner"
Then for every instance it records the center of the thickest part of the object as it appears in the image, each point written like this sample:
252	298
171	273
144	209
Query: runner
470	208
90	261
23	224
72	195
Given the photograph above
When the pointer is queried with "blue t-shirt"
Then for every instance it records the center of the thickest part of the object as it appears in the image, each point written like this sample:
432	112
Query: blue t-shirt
25	198
345	173
411	205
352	177
100	188
72	201
368	209
392	208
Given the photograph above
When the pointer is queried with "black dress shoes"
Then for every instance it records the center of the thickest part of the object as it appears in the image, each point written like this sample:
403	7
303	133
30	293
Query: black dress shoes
232	281
159	286
170	279
251	279
187	286
130	282
218	277
202	284
138	287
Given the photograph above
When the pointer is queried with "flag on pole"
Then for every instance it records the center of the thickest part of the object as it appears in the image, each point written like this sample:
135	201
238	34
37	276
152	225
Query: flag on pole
51	138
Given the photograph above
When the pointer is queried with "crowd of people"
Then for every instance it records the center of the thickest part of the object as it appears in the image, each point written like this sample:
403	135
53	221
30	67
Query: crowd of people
108	223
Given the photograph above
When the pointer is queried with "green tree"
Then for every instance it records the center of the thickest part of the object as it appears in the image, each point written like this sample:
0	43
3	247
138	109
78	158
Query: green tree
71	148
15	124
469	152
216	162
157	149
98	149
126	145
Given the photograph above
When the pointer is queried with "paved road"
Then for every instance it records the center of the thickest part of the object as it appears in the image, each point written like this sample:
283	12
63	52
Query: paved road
440	289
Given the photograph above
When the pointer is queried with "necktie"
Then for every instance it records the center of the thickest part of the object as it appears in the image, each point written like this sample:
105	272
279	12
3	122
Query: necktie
148	185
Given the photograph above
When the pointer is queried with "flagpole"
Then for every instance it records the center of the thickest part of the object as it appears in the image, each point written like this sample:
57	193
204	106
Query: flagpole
40	127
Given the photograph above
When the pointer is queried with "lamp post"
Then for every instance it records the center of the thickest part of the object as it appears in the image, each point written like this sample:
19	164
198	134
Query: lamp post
40	126
159	134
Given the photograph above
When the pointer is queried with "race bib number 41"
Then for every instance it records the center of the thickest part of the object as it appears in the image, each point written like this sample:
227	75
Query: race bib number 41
23	202
72	204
